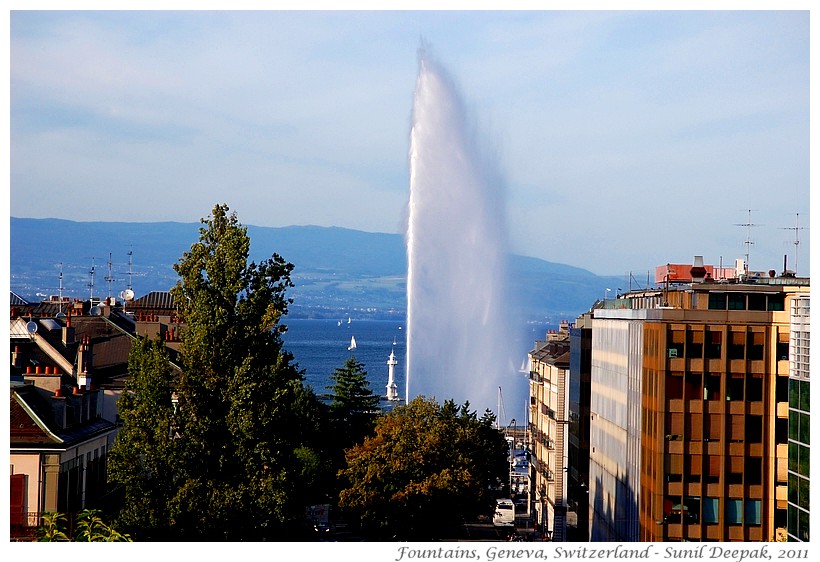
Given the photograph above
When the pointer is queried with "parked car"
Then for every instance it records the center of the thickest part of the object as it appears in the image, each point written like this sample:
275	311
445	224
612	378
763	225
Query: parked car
504	513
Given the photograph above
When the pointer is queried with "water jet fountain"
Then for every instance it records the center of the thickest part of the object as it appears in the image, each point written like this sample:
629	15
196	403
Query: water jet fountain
459	339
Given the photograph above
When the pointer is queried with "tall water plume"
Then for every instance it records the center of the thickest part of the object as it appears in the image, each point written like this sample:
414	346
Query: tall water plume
459	342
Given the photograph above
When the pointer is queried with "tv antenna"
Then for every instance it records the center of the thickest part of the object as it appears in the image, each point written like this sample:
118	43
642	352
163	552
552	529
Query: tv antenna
91	285
797	228
109	278
748	242
60	290
130	270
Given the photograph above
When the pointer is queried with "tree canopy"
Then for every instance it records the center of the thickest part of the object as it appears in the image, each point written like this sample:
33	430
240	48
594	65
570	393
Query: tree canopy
245	428
426	470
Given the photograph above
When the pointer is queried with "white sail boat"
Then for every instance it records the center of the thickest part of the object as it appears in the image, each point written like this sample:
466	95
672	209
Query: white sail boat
352	345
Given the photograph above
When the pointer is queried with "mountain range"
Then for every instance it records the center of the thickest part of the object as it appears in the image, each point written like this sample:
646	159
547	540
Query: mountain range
337	271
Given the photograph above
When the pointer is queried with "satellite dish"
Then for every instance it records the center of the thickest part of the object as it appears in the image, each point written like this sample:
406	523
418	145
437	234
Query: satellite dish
60	315
31	327
95	311
128	295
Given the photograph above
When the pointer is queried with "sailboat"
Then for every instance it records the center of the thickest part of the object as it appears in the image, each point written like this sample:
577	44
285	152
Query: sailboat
352	345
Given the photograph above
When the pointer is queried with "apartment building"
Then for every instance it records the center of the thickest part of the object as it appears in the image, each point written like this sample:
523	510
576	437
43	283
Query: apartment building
690	406
549	417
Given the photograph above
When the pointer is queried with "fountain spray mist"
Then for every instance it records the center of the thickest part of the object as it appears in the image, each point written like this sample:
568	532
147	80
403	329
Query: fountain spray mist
459	342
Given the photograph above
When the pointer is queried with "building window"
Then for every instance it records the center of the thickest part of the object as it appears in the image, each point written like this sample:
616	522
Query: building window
694	386
804	396
674	386
754	346
737	346
753	512
804	428
674	346
734	511
783	351
734	389
803	461
793	454
713	341
803	496
717	301
737	301
776	302
691	507
712	390
674	467
753	470
754	429
710	510
694	345
754	389
757	301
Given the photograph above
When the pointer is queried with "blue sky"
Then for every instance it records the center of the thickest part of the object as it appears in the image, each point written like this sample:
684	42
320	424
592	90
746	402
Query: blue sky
627	139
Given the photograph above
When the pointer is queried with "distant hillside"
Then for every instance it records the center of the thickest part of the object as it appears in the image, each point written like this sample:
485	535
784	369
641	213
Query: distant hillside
336	270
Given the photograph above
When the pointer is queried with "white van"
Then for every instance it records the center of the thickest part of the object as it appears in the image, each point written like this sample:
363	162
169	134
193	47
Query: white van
504	513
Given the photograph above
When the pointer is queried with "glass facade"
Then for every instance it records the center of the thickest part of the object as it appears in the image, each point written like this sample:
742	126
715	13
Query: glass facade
799	421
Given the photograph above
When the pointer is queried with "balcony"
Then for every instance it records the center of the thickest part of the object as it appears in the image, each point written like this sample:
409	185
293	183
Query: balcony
24	526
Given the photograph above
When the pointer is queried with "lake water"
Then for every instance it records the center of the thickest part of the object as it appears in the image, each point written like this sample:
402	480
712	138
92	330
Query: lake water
321	346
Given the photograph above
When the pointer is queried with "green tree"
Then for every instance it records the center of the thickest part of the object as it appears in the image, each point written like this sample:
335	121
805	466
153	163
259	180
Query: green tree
246	423
237	455
426	470
142	461
353	408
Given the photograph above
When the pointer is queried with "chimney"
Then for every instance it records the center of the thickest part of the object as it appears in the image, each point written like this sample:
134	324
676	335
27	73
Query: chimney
15	357
68	330
698	272
84	356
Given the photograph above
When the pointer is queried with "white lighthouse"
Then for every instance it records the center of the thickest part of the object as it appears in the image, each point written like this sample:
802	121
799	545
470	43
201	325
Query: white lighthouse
392	390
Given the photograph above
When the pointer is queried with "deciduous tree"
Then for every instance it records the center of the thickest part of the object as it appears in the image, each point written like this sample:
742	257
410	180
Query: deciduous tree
426	470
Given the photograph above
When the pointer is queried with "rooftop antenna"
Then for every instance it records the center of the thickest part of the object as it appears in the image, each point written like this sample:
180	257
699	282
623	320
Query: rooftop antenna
797	228
60	289
130	269
92	281
748	241
109	278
